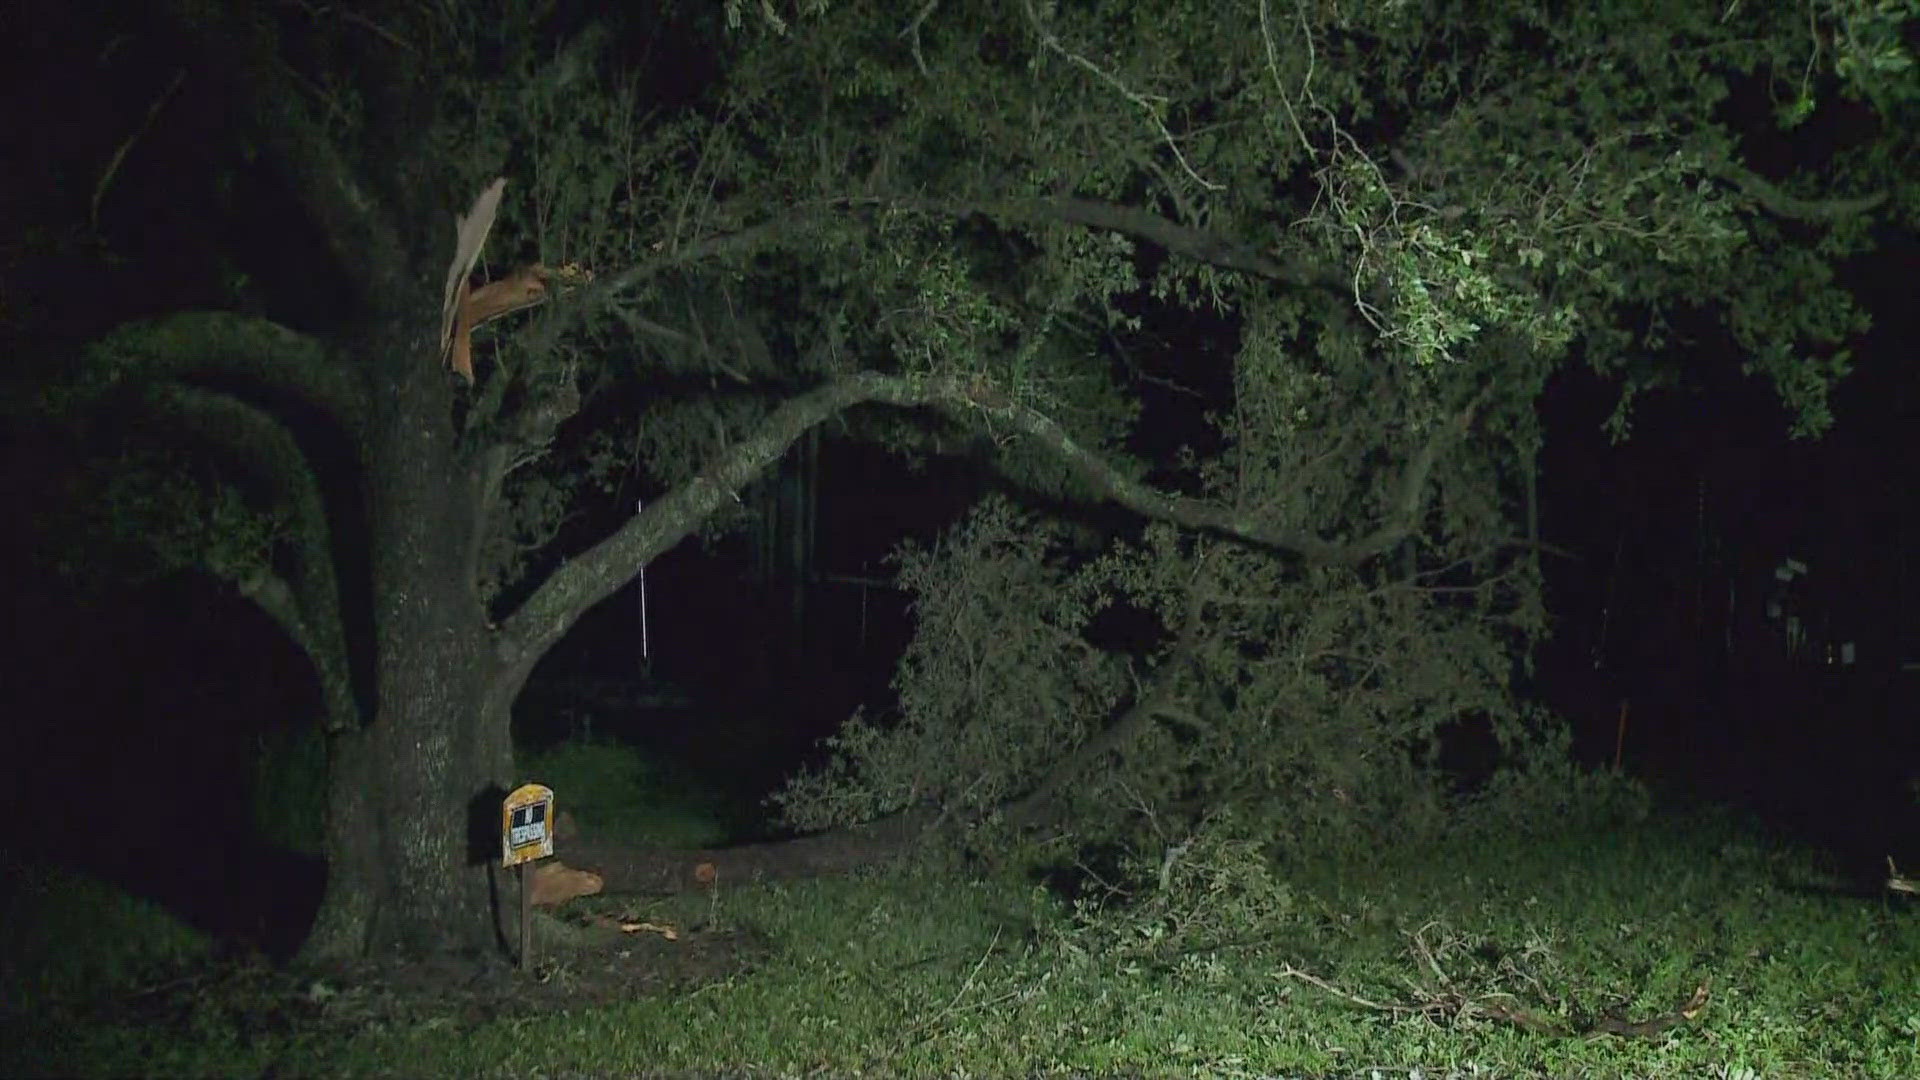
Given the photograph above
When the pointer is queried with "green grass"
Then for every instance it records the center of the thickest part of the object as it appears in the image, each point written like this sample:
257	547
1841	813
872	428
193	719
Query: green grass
65	936
612	790
912	974
70	946
616	792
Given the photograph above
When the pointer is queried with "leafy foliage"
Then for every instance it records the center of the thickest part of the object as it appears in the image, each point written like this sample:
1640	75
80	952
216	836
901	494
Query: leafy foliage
1216	684
1215	890
1001	192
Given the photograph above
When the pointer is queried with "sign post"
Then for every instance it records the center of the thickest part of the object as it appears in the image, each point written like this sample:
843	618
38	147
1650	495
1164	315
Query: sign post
526	834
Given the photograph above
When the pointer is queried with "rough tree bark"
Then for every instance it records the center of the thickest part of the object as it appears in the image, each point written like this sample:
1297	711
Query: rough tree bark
407	787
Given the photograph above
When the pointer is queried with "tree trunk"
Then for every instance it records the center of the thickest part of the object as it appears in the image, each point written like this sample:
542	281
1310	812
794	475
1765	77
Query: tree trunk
414	795
413	830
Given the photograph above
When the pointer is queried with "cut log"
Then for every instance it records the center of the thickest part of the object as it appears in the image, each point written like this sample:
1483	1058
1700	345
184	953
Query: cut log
554	883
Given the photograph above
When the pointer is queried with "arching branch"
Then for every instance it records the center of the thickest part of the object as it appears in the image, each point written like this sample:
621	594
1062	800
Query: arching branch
234	349
306	605
607	566
1781	204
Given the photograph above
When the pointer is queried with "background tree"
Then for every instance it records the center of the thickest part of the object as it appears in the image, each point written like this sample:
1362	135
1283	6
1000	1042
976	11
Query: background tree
1287	279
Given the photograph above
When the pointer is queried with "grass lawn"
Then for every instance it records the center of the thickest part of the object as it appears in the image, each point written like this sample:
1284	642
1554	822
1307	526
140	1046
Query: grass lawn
1514	961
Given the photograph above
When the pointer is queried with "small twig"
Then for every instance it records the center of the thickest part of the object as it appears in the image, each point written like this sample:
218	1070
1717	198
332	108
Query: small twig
1899	883
1291	972
1168	861
912	34
1426	953
953	1002
120	152
1147	103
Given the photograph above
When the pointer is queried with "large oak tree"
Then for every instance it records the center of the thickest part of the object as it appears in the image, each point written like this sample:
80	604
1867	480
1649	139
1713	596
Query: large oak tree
1359	237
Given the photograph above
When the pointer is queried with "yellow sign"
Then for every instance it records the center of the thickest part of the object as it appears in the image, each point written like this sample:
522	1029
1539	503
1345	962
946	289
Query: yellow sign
526	825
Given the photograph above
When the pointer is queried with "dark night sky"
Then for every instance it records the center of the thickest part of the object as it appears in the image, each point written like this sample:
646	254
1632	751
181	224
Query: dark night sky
145	689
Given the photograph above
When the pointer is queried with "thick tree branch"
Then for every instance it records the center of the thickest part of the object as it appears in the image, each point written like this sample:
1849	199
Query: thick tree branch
1185	241
1160	699
1200	514
306	606
1781	204
232	348
599	572
606	567
1182	241
275	597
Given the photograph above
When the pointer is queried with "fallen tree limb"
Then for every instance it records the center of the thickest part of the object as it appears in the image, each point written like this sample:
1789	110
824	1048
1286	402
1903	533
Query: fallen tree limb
625	867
